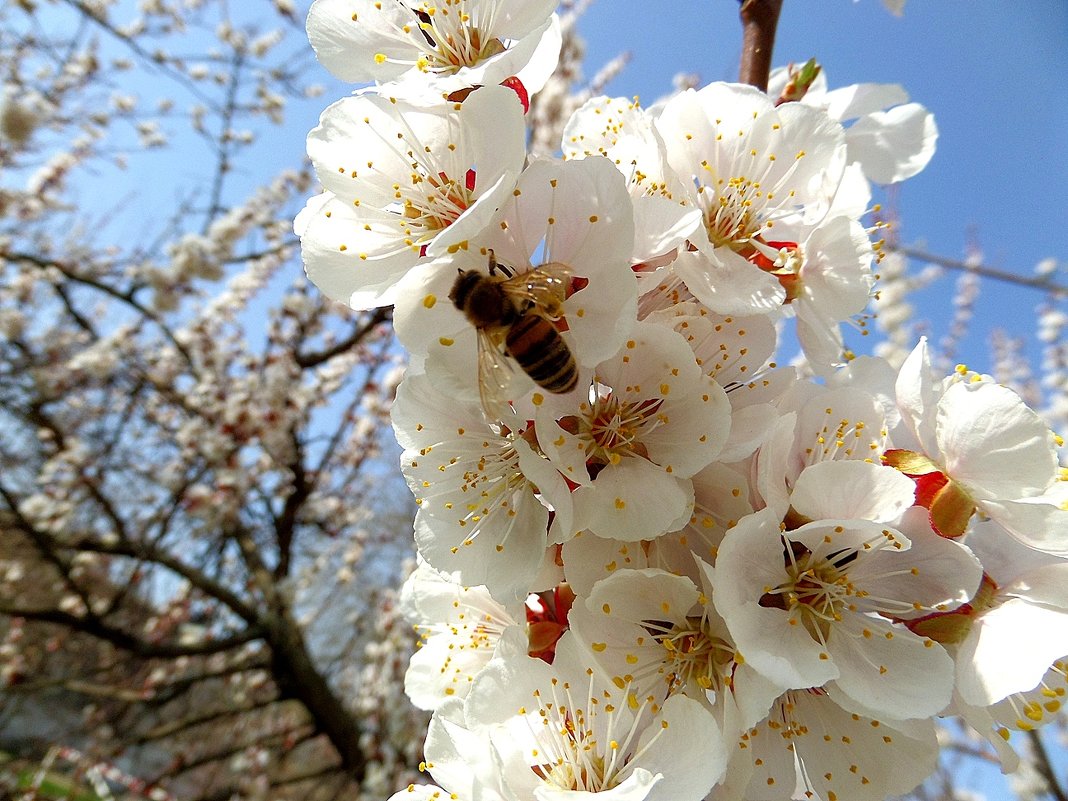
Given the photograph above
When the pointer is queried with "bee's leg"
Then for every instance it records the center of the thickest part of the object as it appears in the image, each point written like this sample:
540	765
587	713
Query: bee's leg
495	265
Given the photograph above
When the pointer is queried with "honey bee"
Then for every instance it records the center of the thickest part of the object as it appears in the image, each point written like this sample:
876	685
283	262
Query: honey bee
514	316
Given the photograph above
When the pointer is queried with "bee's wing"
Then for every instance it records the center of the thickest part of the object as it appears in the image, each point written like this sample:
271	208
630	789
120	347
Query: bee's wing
543	288
495	374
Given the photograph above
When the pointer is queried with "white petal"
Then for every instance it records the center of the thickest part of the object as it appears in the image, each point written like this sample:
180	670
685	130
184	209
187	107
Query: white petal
893	145
852	489
861	759
889	670
638	596
854	101
517	18
917	397
686	747
836	276
749	427
774	462
588	558
448	747
331	245
695	430
347	49
1034	522
542	61
634	500
821	340
993	443
661	225
734	286
1004	557
355	151
1011	646
985	723
424	312
639	785
423	792
941	574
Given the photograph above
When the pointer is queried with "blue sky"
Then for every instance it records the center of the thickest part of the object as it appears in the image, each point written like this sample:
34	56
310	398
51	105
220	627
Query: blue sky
994	74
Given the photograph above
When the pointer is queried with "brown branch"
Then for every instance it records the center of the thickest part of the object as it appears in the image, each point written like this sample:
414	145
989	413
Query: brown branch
300	679
233	747
125	296
1045	767
50	548
306	360
174	689
286	525
125	641
173	727
292	666
1036	282
29	687
308	775
759	18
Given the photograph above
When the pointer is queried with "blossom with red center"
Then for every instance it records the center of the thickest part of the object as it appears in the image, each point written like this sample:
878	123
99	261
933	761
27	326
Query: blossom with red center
749	166
649	420
431	48
402	181
994	454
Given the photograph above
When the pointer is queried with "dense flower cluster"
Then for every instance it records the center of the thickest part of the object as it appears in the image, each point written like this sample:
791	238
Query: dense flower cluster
656	565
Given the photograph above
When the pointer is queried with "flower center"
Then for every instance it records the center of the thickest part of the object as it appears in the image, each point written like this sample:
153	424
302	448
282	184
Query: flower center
571	775
781	259
614	427
453	41
577	759
843	438
433	203
817	588
695	655
733	214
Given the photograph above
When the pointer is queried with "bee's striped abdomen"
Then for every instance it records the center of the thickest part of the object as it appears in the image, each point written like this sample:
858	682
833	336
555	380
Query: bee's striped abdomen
538	348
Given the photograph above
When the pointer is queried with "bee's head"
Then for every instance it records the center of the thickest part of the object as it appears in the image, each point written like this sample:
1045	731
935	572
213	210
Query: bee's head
466	280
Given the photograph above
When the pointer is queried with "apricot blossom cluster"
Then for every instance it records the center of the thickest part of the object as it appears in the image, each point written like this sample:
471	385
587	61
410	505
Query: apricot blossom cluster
697	572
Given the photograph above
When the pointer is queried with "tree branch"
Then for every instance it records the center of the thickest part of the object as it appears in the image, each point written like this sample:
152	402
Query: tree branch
173	727
1036	282
760	18
299	678
126	296
314	359
125	641
49	547
1045	767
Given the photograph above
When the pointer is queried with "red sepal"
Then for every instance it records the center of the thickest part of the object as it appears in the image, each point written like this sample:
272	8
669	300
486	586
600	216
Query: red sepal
516	86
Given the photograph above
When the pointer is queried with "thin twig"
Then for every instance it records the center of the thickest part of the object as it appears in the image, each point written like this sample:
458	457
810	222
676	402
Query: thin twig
1045	767
1035	282
314	359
